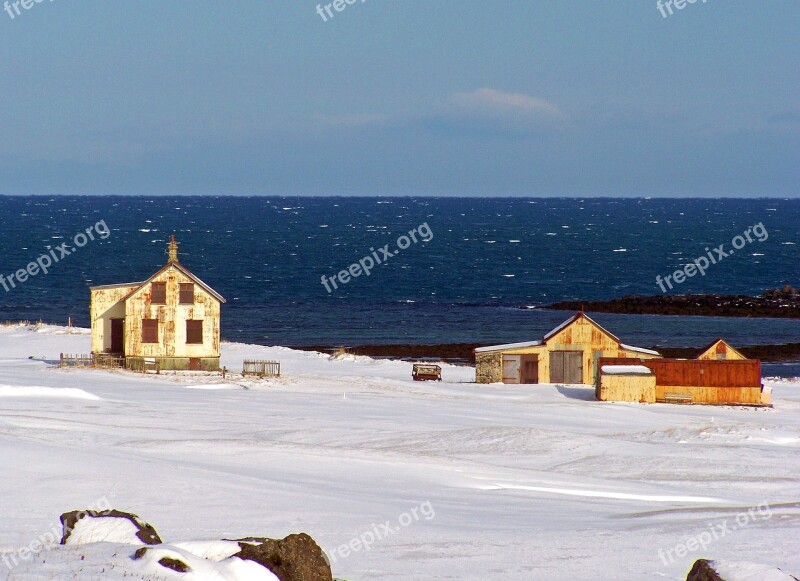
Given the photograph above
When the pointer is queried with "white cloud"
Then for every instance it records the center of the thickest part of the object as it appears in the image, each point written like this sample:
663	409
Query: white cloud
510	103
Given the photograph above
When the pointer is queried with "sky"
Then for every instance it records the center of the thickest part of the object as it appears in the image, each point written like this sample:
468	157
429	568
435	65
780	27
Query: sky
419	97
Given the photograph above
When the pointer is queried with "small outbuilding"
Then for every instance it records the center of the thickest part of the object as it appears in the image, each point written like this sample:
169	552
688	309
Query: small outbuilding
171	320
567	354
698	381
626	383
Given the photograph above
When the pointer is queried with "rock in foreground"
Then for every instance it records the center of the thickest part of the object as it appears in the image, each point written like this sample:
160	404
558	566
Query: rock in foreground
109	526
704	570
294	558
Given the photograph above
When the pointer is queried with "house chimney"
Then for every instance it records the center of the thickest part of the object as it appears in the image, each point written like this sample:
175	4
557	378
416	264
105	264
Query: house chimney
173	249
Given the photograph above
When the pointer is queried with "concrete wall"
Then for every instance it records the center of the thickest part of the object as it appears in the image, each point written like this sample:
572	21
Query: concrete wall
177	363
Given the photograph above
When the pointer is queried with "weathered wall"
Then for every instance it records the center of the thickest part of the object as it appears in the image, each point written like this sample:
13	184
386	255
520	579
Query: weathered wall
712	395
634	387
105	305
582	335
172	319
722	352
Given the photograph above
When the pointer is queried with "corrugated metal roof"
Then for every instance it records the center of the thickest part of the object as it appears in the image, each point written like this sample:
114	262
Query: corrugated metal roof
508	346
639	349
118	285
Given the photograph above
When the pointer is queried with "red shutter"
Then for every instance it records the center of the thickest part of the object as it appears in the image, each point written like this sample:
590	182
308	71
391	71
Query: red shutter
149	330
187	293
158	294
194	332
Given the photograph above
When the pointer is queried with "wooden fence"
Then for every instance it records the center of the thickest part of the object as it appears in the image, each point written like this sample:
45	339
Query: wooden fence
108	361
698	372
70	360
261	368
98	360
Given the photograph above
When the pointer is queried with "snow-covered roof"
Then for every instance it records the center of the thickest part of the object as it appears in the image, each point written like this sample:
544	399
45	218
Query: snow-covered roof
626	370
639	349
118	285
508	346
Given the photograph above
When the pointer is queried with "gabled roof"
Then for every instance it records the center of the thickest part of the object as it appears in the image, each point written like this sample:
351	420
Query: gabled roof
561	327
575	317
185	271
708	347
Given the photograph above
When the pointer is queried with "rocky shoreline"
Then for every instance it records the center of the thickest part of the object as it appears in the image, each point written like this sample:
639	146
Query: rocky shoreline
462	353
779	303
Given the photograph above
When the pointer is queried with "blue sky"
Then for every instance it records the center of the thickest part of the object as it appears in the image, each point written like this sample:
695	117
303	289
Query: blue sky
419	97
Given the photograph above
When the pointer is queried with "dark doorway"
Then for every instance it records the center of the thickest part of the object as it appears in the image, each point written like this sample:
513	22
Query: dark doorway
566	367
529	373
118	336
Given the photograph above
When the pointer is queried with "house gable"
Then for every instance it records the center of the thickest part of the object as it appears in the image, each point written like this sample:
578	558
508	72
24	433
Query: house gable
159	277
581	330
720	349
172	317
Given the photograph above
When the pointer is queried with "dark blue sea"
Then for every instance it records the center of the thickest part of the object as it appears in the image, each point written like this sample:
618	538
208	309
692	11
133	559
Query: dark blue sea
487	264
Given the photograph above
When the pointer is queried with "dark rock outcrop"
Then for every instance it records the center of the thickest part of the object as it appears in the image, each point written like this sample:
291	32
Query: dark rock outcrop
174	564
782	304
295	558
703	570
144	532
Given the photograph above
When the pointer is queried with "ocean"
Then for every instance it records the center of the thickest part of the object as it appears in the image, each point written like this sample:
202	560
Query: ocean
475	270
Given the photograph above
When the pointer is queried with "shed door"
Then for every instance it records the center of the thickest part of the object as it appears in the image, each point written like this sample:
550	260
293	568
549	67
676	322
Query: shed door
118	335
530	369
566	366
511	368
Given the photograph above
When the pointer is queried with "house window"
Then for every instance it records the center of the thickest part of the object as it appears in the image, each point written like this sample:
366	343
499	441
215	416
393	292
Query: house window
187	293
194	332
159	293
149	330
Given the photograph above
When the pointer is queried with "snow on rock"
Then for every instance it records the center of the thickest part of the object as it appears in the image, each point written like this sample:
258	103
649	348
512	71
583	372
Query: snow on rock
217	563
108	526
704	570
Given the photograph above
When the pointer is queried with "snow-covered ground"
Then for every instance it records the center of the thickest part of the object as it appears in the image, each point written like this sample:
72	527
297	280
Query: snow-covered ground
444	481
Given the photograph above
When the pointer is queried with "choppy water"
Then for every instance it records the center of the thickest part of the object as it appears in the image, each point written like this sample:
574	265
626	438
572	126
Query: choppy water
487	257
